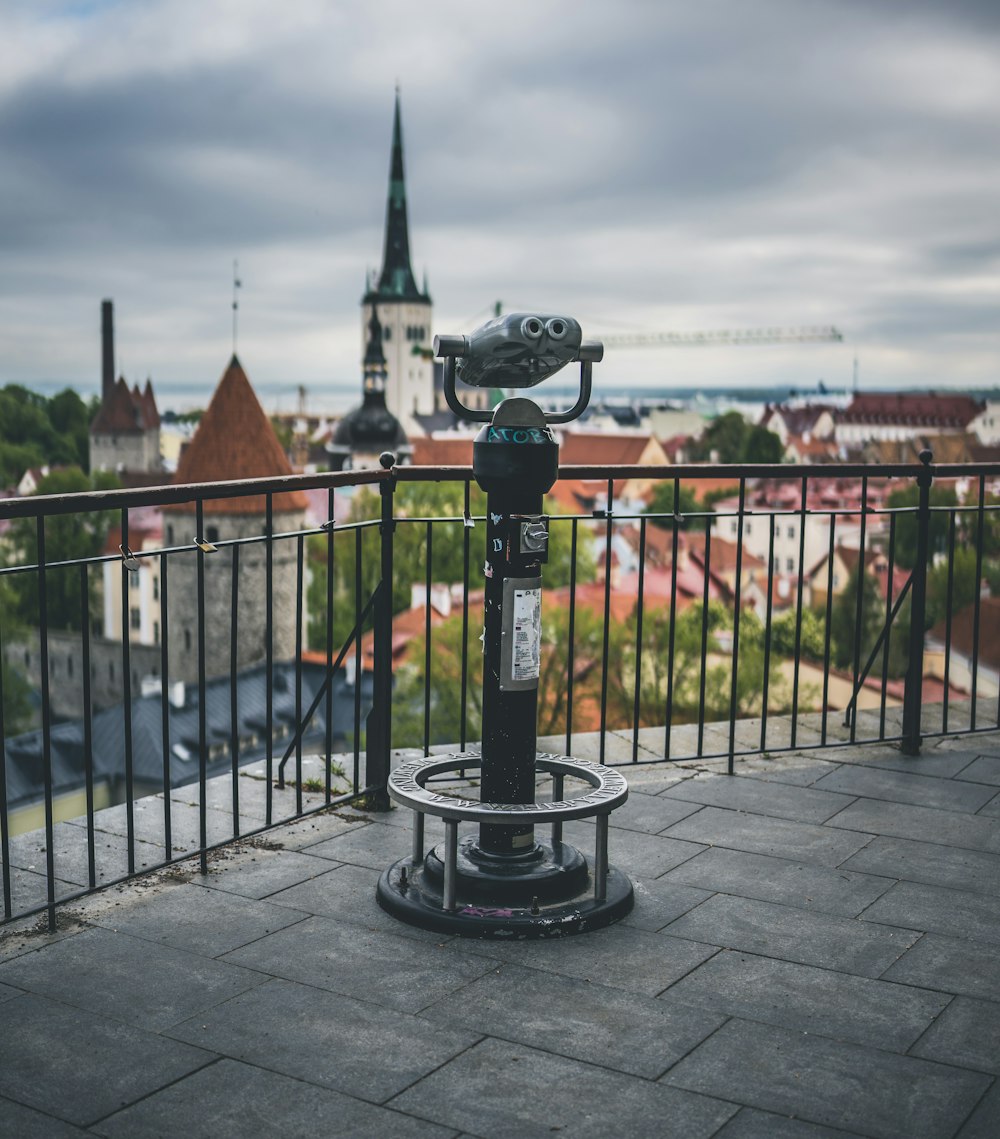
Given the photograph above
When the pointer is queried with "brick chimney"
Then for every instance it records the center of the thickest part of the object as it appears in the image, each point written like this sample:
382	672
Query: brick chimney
107	349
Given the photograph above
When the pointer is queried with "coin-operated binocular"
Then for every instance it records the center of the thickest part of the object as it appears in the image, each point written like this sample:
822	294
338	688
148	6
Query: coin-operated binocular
503	881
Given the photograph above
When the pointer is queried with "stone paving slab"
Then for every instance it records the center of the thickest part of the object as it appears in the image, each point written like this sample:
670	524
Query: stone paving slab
639	1035
983	769
825	1081
22	1122
795	935
984	1122
907	787
912	861
230	1100
950	966
927	824
752	1124
802	804
659	901
397	972
149	986
257	872
510	1091
940	909
326	1039
819	1001
967	1034
80	1066
772	879
757	834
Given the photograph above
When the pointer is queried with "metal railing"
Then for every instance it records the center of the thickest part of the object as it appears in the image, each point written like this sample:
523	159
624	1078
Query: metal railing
689	633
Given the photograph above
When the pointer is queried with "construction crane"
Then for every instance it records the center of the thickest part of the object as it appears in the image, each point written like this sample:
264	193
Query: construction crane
824	332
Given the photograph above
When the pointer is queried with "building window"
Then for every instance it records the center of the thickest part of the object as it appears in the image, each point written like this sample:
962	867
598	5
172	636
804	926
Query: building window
69	666
836	580
790	565
791	531
156	632
111	670
135	618
386	333
133	581
212	534
156	588
170	535
733	526
187	640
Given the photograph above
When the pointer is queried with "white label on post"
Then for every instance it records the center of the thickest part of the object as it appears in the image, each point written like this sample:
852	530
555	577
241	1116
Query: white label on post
527	647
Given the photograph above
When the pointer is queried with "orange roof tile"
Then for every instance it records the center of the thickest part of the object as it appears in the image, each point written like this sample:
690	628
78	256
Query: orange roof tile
235	440
429	451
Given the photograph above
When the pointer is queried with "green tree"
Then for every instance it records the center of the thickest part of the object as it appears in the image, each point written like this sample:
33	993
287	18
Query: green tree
843	623
68	537
811	637
662	502
35	431
730	438
762	446
906	524
16	690
963	586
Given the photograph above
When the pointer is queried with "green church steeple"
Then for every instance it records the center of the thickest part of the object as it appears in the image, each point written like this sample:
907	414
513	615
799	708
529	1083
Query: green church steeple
396	281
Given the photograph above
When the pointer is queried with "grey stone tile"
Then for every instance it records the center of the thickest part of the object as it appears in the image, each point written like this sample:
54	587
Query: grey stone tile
827	1082
20	1122
939	909
992	808
650	813
510	1091
658	901
931	761
876	1013
326	1039
779	880
929	862
29	889
638	1035
950	966
371	845
966	1034
805	842
794	935
983	769
642	855
185	824
199	920
904	787
80	1067
347	893
752	1124
258	872
230	1100
797	770
150	986
741	793
926	824
394	971
620	957
69	849
6	992
984	1122
307	832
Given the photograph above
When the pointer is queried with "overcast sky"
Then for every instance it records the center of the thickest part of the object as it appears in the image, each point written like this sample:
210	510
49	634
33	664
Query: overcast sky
640	165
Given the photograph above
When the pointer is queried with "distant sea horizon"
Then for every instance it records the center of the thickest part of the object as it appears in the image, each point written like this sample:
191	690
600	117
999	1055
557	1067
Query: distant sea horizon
336	398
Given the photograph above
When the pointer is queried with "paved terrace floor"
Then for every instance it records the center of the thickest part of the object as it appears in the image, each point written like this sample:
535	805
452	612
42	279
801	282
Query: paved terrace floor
814	953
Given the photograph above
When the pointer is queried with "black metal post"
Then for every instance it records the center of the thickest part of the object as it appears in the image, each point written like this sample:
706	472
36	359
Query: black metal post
378	727
913	690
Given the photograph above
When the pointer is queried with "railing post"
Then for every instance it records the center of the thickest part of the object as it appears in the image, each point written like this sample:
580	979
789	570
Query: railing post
913	690
378	727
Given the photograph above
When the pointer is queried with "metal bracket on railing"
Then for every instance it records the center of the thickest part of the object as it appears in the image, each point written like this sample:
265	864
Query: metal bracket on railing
329	524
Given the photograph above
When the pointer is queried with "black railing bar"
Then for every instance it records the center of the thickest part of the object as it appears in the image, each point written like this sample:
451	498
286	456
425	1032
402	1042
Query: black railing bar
299	584
88	724
428	583
863	674
466	555
358	622
91	501
321	691
269	655
947	622
767	636
704	639
669	710
4	817
827	629
888	624
774	472
328	715
43	630
234	716
859	606
571	636
734	690
638	642
977	602
803	512
202	688
441	519
165	709
126	661
340	801
606	634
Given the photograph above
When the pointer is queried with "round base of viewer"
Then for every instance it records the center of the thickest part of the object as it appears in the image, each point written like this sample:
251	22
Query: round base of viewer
409	893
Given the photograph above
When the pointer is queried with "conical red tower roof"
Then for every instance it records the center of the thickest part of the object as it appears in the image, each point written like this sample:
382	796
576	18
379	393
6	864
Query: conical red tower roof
235	440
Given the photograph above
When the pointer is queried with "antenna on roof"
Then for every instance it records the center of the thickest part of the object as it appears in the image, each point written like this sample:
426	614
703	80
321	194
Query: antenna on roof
855	376
237	284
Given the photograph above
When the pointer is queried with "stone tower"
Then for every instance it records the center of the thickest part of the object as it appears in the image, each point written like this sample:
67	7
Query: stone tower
234	440
404	311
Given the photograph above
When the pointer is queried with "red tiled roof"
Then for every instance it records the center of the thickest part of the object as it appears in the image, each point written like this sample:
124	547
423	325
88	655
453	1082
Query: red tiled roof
602	449
429	451
235	440
120	413
925	409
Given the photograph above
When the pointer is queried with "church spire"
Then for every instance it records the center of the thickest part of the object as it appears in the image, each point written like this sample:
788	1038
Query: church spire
396	279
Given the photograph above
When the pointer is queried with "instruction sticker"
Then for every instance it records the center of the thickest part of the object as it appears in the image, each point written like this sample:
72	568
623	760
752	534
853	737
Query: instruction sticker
521	633
527	647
